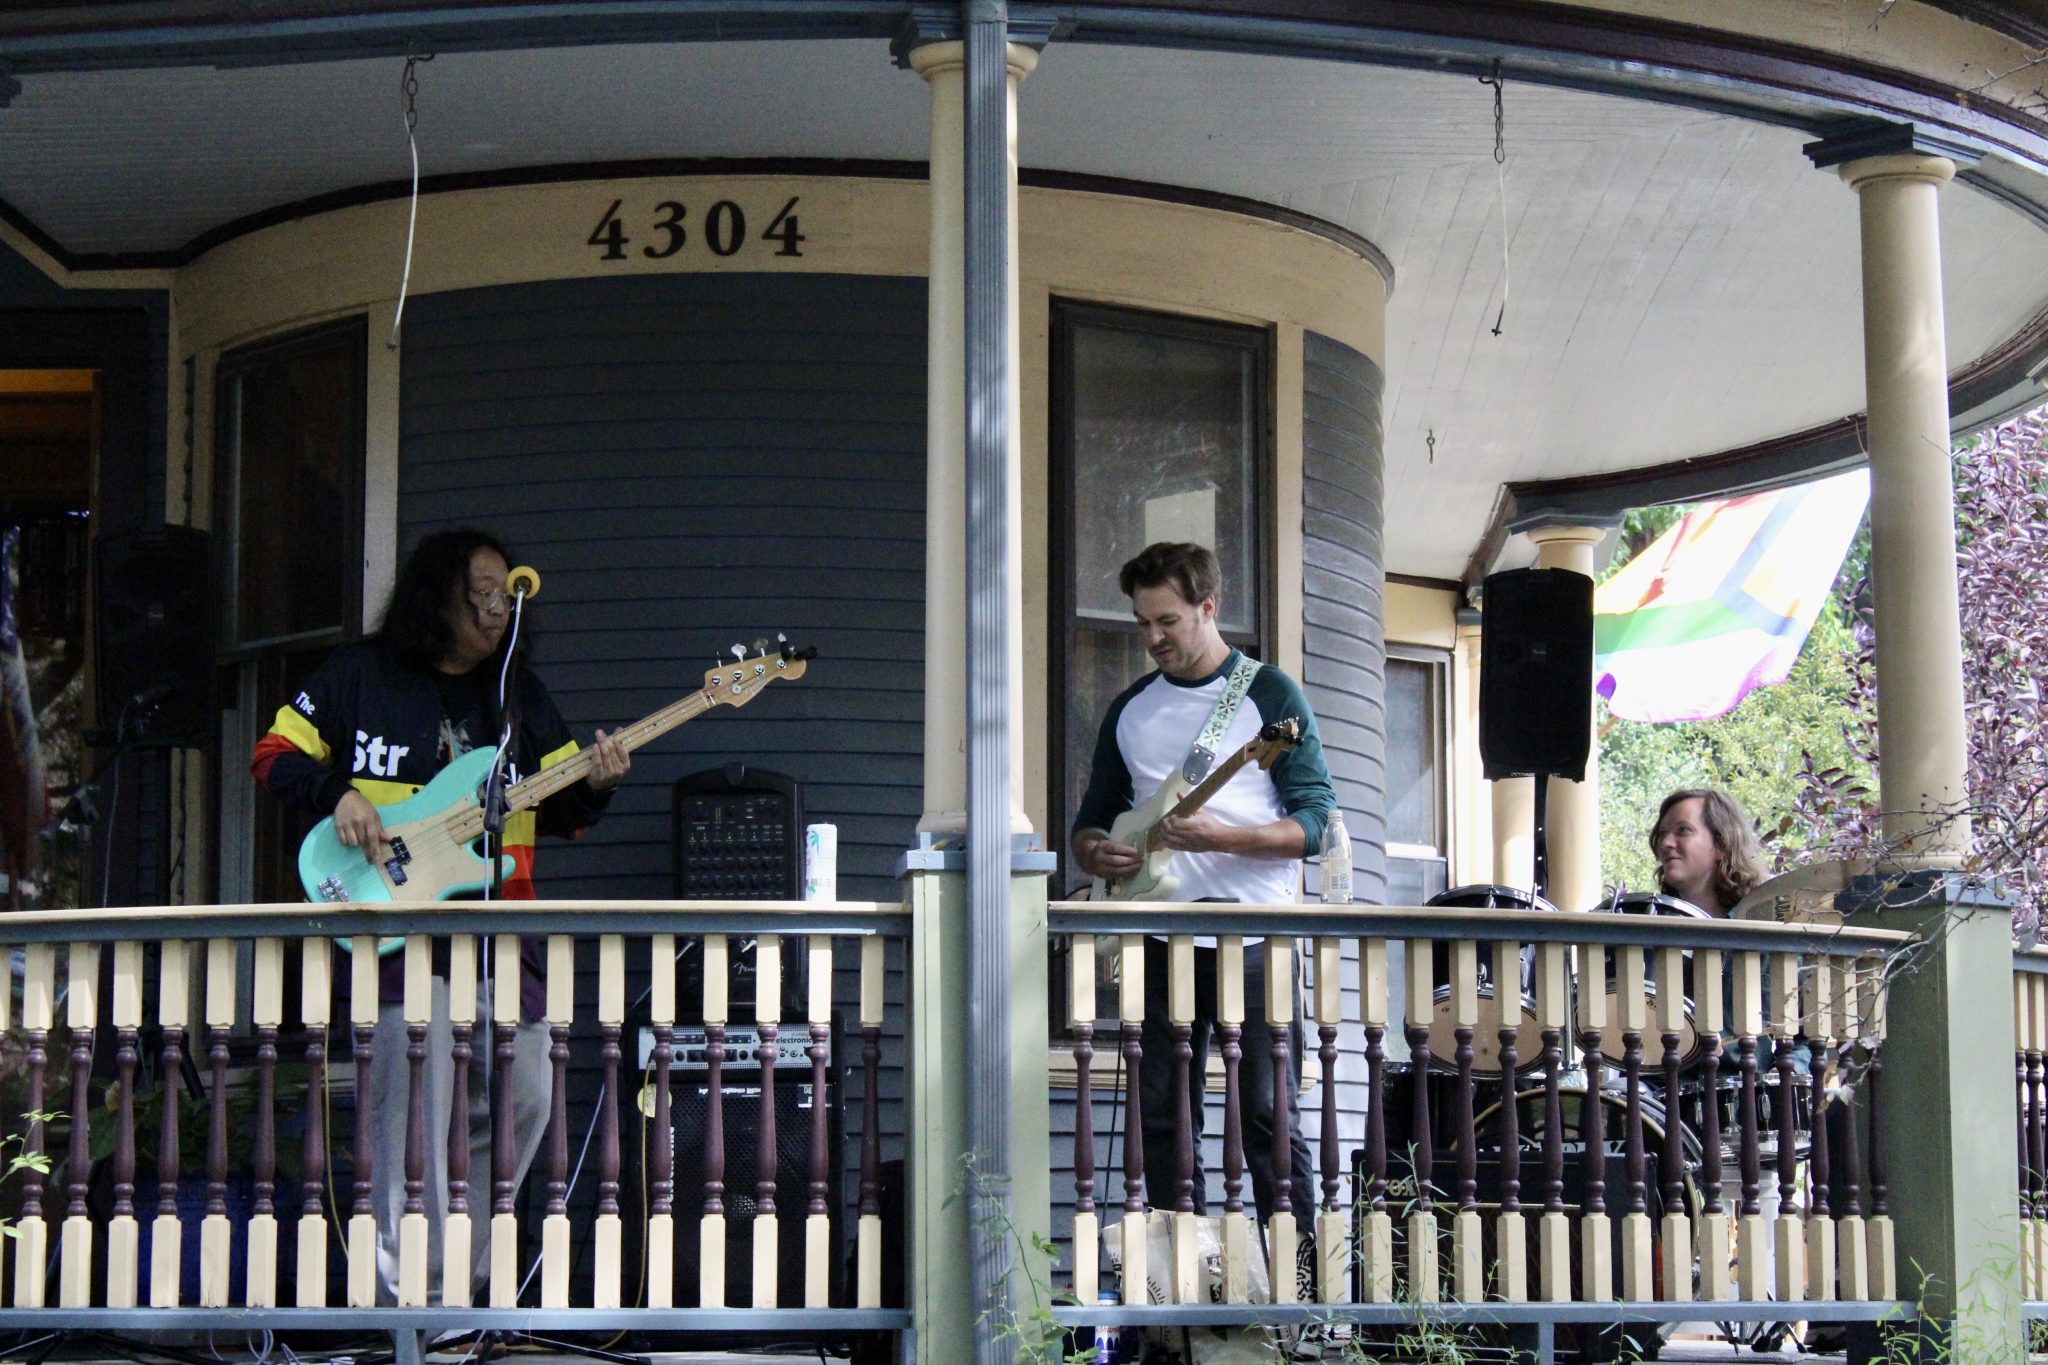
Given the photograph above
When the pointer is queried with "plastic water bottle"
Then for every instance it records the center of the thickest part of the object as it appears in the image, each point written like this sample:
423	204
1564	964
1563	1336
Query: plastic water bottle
1336	861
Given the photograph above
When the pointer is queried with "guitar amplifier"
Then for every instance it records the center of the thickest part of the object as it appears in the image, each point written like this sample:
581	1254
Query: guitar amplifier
739	835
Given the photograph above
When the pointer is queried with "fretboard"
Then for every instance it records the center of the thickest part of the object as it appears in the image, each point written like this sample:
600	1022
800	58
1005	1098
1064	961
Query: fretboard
545	783
1199	796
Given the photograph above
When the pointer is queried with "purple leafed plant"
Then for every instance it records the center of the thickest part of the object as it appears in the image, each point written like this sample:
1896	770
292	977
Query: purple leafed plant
2001	487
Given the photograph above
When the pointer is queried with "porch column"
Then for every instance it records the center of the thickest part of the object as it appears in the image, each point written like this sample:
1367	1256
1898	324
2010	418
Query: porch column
979	962
1472	824
1574	820
1950	1019
1514	831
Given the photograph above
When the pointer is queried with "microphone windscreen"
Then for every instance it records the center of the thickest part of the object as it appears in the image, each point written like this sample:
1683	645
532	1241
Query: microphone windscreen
523	579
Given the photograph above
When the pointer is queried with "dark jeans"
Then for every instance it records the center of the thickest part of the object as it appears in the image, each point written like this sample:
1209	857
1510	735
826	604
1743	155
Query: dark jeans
1156	1073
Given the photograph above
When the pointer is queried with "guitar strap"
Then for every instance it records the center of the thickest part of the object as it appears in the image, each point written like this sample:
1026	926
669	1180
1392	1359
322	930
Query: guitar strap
1202	753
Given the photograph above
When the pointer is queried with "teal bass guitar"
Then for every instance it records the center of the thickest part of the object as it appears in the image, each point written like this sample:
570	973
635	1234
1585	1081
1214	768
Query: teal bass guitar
430	847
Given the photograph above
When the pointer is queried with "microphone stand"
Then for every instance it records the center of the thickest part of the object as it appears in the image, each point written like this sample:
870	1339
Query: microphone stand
499	779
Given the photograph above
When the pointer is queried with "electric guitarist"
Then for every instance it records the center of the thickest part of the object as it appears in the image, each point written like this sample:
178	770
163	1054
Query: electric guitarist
375	722
1246	842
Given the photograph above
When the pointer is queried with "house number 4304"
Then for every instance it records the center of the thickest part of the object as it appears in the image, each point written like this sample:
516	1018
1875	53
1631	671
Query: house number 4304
723	230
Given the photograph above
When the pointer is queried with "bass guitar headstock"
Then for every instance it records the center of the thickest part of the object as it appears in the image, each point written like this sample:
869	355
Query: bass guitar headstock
736	683
1273	741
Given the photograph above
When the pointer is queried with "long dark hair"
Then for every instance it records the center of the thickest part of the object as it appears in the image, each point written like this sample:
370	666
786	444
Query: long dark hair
414	626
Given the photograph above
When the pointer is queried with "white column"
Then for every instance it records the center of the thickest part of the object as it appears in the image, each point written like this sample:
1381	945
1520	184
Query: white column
942	64
1912	507
1574	816
1514	831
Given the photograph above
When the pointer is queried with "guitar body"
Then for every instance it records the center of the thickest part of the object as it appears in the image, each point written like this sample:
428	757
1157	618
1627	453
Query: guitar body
424	864
1150	882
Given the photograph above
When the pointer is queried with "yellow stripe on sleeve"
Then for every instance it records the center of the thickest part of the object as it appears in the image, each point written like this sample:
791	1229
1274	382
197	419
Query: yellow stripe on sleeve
302	735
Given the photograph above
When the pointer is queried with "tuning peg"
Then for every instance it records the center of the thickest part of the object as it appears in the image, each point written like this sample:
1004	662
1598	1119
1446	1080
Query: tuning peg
739	651
760	648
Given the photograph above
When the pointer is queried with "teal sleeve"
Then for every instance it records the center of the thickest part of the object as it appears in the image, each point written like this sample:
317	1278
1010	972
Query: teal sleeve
1301	776
1109	791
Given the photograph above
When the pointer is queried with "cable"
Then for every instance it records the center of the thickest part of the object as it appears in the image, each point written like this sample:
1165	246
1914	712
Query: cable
409	86
504	734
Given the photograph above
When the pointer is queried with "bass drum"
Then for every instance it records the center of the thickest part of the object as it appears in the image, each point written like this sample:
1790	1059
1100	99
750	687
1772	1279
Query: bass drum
1443	1039
1692	1045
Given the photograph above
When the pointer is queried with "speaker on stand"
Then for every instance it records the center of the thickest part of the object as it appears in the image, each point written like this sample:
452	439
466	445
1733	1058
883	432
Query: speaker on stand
1536	683
154	637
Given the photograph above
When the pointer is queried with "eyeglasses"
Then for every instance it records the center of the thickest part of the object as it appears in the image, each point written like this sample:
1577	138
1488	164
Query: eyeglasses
490	599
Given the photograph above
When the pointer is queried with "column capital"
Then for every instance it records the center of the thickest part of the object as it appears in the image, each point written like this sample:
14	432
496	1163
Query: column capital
1871	139
929	26
1550	529
1870	170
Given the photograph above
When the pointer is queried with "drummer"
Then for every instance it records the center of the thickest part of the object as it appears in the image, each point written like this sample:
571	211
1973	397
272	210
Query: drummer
1706	849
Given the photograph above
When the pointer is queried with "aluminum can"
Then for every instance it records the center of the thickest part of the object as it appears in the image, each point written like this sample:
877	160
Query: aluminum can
1109	1340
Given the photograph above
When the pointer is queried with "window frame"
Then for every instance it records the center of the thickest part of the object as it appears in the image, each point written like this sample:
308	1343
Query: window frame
1440	663
1068	316
350	335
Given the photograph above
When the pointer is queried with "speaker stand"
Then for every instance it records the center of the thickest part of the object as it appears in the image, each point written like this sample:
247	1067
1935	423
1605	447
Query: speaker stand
1542	844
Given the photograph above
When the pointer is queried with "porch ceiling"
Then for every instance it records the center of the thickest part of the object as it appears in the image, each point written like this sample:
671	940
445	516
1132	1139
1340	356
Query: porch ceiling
1682	282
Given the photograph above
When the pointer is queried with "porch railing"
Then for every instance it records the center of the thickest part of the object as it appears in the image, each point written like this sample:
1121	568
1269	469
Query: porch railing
1699	1052
189	983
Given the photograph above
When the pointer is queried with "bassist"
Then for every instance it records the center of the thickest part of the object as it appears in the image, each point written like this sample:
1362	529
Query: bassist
1245	844
375	722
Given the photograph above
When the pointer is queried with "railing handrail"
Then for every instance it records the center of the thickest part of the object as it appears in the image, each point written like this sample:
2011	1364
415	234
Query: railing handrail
887	919
2030	960
1444	923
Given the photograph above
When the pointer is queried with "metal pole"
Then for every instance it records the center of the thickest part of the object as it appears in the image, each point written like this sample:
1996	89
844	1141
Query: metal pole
986	188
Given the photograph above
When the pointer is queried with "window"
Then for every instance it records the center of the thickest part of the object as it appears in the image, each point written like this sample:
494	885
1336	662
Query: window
289	440
1418	864
1161	431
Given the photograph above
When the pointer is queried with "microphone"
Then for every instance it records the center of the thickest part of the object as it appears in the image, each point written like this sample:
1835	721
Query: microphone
523	582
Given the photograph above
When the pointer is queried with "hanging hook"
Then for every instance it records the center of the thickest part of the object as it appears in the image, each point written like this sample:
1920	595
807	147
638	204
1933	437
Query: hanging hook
1500	164
1430	441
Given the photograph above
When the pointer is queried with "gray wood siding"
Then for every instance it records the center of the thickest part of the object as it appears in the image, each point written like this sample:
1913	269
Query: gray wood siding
1343	617
693	461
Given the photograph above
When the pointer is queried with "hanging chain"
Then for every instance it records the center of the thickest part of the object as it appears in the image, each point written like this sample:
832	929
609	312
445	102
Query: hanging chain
409	88
1500	170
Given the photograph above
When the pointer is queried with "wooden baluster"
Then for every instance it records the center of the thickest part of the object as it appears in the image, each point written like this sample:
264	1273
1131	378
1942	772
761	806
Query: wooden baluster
6	1011
1676	1227
1511	1233
1821	1017
2034	1132
1281	1238
1230	1027
166	1238
661	1219
124	1236
38	1017
1081	1016
267	1015
316	991
1182	1287
507	972
81	1014
1468	1273
1789	1229
216	1233
1596	1241
1638	1256
418	1004
458	1234
1332	1256
554	1228
1131	1010
1752	1241
711	1231
1714	1239
1424	1268
1553	1013
607	1288
1377	1237
2023	1106
1855	1256
872	979
1884	1273
362	1222
818	1211
768	1017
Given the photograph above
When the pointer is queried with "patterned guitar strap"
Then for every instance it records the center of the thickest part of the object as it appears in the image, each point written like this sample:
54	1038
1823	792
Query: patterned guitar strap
1202	755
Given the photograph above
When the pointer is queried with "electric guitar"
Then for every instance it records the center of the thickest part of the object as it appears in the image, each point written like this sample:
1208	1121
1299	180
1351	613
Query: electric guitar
1139	826
430	837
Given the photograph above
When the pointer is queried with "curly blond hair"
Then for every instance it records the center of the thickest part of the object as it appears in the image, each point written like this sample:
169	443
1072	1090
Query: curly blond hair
1738	854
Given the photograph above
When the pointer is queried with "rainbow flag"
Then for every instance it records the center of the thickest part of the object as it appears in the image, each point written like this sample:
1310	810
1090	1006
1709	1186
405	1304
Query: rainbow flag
1720	604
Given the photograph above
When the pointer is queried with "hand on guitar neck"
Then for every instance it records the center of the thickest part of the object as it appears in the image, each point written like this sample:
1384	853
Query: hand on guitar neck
1129	862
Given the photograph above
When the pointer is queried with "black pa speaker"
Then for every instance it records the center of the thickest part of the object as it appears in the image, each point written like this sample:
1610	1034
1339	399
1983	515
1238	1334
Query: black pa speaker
1536	673
154	635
